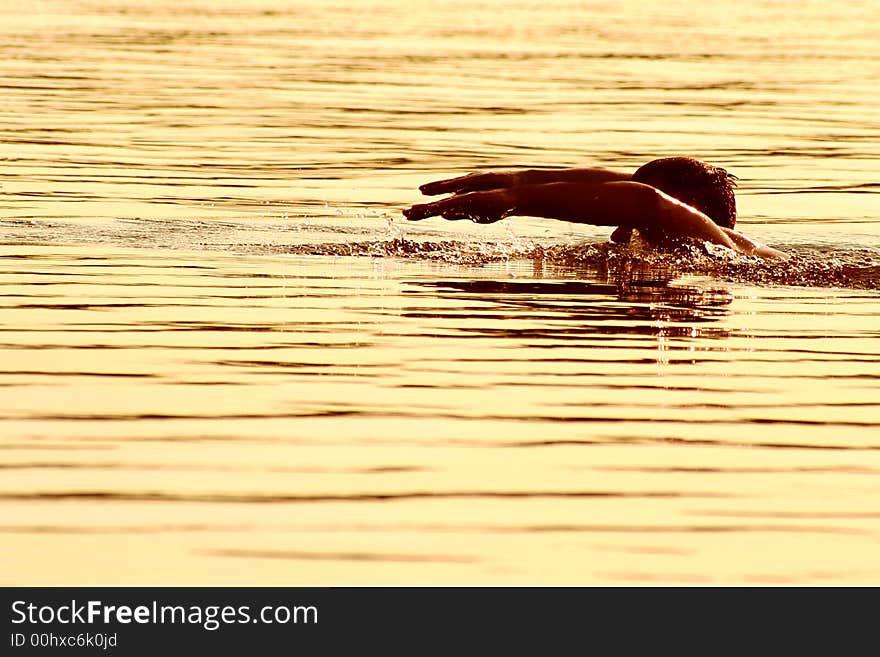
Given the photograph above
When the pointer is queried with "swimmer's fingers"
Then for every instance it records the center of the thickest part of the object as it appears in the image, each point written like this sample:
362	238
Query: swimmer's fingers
454	207
421	211
473	182
481	207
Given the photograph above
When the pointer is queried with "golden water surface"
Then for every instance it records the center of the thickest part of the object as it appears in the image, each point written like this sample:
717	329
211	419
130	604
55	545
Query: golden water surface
226	359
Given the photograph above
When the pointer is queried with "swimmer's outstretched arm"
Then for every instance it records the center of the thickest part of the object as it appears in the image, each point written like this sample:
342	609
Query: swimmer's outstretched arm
743	244
748	246
478	182
656	215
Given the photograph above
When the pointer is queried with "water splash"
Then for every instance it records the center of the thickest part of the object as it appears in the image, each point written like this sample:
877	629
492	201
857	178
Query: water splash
615	259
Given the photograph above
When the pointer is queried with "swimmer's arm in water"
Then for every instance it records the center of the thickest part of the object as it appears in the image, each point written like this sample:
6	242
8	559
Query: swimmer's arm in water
479	182
743	244
748	246
656	215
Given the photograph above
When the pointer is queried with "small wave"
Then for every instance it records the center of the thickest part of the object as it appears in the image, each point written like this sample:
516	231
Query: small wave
386	496
301	555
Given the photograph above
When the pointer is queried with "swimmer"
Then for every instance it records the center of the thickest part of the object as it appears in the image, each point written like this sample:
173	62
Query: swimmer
665	201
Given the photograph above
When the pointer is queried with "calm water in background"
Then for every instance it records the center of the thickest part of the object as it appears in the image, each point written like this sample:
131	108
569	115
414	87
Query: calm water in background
227	360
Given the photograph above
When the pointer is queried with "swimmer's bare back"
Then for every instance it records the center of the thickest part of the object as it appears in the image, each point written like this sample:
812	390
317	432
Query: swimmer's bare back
590	196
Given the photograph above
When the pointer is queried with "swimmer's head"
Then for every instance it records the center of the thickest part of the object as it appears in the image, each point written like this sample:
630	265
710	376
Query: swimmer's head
708	189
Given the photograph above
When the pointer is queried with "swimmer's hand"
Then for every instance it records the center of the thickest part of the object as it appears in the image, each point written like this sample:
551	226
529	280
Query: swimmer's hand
621	235
480	207
472	182
748	246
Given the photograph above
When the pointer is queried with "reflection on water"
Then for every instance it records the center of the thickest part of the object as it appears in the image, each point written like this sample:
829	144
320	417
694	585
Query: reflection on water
227	360
649	307
289	419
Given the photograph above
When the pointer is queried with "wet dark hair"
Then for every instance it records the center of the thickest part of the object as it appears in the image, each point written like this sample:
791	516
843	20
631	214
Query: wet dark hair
707	188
